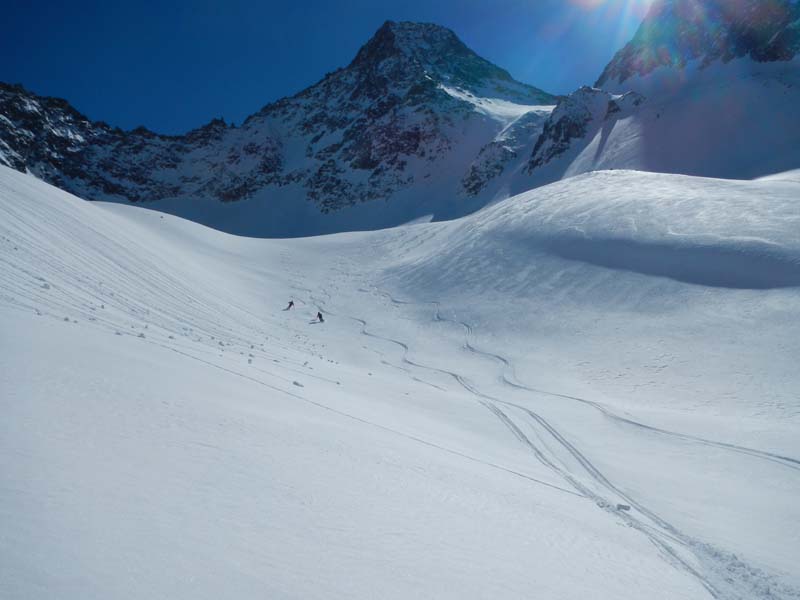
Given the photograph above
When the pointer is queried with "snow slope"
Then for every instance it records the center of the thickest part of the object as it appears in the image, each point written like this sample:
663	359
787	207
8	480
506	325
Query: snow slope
737	121
712	89
481	396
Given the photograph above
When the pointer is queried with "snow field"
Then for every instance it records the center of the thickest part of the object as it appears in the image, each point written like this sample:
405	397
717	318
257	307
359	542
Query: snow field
480	398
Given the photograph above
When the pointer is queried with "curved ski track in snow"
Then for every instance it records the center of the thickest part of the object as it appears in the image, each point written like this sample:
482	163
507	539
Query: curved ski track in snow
722	573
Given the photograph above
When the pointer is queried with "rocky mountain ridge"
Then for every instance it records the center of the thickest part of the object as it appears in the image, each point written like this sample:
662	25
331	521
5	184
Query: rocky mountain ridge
414	102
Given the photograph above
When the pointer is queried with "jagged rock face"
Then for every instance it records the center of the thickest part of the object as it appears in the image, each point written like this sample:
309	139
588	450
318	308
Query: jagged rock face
52	140
677	32
576	117
393	116
512	145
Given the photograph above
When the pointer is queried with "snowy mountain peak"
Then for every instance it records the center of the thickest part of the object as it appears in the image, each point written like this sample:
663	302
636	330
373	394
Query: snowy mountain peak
406	38
676	33
419	52
407	118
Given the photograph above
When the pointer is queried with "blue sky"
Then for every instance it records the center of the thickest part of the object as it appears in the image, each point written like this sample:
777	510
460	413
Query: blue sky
173	66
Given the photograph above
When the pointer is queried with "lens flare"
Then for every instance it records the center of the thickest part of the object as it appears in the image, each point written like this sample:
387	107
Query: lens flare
623	15
588	3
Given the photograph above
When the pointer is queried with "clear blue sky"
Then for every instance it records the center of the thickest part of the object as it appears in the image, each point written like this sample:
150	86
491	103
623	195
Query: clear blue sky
173	66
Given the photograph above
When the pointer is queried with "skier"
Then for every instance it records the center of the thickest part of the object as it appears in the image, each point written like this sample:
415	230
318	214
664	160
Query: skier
291	305
319	317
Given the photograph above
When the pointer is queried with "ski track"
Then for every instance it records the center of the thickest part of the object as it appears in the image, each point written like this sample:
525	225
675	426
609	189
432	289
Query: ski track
721	573
368	422
785	461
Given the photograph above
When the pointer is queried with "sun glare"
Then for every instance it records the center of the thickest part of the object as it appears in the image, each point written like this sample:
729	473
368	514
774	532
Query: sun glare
638	7
626	3
588	3
623	13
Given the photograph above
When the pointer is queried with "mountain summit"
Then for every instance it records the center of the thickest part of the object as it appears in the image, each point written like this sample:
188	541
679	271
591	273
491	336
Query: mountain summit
408	52
407	120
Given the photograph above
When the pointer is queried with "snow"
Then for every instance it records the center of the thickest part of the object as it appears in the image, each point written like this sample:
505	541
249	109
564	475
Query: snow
481	396
502	110
734	120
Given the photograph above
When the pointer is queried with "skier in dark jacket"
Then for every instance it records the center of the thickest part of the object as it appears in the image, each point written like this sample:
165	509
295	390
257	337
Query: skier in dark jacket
319	317
291	305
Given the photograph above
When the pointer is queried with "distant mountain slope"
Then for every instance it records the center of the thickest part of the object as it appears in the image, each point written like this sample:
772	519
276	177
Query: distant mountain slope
715	84
414	109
